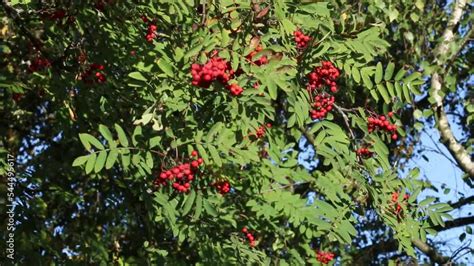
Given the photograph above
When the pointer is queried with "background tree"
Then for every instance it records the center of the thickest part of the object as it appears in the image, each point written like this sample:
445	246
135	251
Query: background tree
204	132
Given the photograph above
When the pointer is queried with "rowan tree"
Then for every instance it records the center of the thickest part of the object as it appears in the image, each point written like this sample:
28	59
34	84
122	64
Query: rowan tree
232	132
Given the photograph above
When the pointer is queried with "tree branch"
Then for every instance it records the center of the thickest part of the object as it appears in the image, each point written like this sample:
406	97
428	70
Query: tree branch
462	202
454	223
430	252
367	253
458	152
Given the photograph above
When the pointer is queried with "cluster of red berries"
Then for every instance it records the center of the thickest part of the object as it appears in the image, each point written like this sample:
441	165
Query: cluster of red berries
324	256
57	14
39	64
180	176
100	4
260	133
17	97
397	207
323	104
381	123
301	39
216	69
151	31
235	89
223	187
89	76
326	74
249	236
261	61
364	152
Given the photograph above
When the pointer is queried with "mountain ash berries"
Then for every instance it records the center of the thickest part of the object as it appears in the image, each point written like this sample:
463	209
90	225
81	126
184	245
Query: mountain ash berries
94	73
324	256
151	29
261	61
180	176
381	123
301	39
324	75
223	187
397	208
39	64
250	236
216	69
364	152
323	103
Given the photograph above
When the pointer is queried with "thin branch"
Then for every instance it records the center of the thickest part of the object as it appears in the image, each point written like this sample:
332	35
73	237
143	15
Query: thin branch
458	152
464	41
462	202
346	120
454	223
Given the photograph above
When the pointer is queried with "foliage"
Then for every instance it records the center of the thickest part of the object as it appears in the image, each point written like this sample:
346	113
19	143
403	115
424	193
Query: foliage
140	115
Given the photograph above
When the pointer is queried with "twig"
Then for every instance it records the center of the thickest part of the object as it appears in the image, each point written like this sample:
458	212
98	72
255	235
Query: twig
346	120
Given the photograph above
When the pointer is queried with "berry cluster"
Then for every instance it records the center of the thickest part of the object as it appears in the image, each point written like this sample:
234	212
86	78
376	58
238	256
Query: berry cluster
261	61
260	133
180	176
216	69
249	236
223	187
101	4
98	76
39	64
151	31
57	14
326	74
235	89
397	207
17	97
381	123
364	152
324	256
323	104
301	39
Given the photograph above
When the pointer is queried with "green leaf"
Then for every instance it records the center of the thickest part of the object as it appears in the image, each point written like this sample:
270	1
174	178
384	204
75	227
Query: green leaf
215	155
212	132
188	204
400	74
193	51
412	77
149	160
137	76
164	65
383	92
366	78
113	155
90	163
198	210
378	73
80	160
389	71
209	208
100	162
125	159
88	139
84	141
106	133
121	135
355	74
391	89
